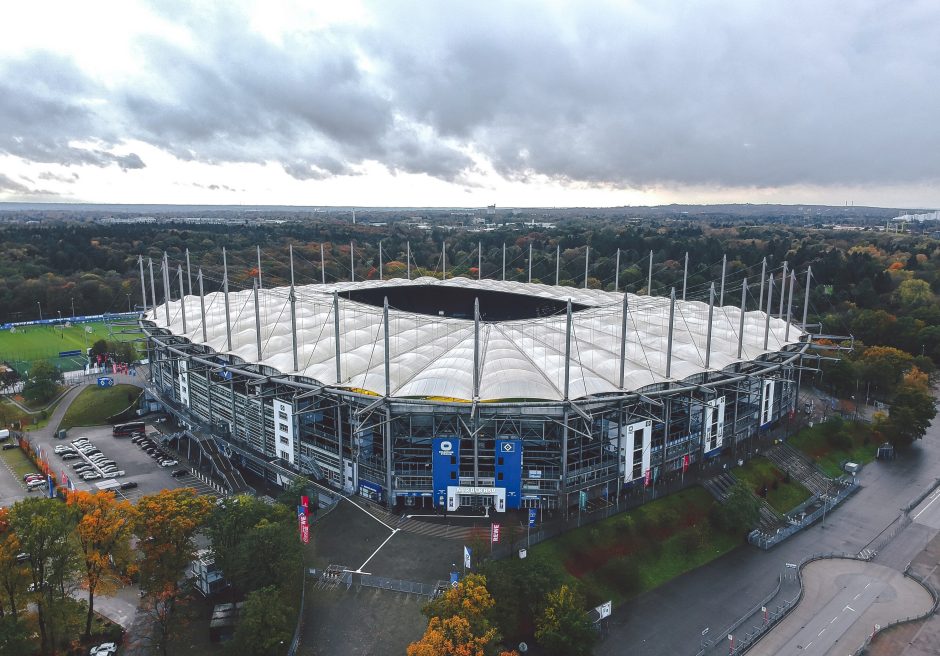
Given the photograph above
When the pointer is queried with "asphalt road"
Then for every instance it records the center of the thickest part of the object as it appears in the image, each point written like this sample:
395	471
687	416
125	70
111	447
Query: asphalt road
842	601
670	619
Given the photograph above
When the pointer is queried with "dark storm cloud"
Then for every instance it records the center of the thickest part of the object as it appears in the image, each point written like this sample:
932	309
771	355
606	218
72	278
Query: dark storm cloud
45	105
713	93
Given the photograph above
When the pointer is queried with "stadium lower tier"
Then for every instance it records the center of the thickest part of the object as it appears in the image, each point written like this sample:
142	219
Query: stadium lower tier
445	454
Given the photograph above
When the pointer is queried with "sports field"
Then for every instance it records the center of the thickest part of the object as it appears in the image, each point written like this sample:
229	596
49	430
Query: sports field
23	345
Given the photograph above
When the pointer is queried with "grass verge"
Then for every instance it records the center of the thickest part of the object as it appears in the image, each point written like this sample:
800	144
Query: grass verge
18	462
834	442
94	405
630	553
782	494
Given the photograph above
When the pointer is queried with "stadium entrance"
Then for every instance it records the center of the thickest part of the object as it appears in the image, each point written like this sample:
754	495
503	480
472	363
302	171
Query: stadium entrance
493	497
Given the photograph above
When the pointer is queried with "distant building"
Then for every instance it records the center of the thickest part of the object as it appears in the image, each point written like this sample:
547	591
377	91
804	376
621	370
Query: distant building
491	210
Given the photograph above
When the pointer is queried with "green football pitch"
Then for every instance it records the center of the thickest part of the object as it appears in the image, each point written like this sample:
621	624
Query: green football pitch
27	344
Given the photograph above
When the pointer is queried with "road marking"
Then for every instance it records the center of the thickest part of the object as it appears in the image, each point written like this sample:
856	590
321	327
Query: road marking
867	584
394	531
849	608
856	596
935	496
832	621
823	630
809	644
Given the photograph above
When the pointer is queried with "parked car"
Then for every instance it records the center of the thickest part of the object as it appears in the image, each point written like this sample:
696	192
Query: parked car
71	455
104	649
129	485
176	473
168	463
26	476
90	476
37	484
62	448
7	447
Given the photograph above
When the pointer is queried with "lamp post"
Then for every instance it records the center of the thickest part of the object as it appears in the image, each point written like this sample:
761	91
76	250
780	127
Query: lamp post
72	301
40	310
128	302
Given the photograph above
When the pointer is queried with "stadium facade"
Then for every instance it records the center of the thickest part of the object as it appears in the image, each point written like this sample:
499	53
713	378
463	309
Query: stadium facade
458	392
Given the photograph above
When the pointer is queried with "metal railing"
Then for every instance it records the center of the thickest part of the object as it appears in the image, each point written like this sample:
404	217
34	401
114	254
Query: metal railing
295	642
397	585
766	541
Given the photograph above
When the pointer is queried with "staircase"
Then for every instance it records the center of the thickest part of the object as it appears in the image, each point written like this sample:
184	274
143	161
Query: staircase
719	487
800	467
222	466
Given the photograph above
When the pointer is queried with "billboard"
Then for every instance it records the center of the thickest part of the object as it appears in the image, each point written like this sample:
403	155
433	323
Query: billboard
445	467
509	470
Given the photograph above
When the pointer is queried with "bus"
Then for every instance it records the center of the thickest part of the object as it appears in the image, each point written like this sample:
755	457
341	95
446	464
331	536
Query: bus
131	428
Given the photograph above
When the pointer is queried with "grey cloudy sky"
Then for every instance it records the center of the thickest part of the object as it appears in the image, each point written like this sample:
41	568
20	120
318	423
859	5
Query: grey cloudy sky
467	103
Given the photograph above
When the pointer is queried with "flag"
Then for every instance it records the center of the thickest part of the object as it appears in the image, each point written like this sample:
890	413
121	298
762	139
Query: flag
494	533
466	557
685	463
648	478
51	486
305	504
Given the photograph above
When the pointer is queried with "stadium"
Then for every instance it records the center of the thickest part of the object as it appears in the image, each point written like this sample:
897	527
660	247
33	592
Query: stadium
457	392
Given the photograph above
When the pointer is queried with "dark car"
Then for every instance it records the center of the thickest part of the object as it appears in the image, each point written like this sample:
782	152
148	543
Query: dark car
179	472
7	447
129	485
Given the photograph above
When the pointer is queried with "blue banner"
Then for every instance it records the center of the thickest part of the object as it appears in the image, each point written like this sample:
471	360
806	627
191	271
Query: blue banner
445	467
532	515
509	470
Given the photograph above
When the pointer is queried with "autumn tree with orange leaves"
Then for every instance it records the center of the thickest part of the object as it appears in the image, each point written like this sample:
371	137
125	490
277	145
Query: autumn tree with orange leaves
166	525
13	574
459	623
104	530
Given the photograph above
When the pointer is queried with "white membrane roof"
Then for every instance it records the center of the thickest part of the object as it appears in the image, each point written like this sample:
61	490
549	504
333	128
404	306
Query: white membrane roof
432	357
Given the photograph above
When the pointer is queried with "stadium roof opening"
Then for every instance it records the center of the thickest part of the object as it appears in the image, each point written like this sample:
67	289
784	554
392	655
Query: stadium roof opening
457	302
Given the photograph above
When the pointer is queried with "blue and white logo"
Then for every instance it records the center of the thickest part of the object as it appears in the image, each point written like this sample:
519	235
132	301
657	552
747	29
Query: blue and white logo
508	447
446	448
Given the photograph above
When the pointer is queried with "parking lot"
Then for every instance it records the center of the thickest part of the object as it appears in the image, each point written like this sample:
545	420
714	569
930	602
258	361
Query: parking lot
137	465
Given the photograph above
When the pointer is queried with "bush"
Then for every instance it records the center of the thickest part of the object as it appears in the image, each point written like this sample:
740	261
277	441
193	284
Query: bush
623	573
840	441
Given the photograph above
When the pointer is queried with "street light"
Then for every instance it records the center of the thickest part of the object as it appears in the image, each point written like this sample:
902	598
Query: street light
40	310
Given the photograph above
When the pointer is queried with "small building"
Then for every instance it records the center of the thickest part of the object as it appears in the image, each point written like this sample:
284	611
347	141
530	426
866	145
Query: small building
207	578
223	622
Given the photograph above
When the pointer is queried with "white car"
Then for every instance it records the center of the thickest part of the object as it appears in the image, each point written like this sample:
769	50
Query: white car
62	448
103	650
168	463
35	484
90	476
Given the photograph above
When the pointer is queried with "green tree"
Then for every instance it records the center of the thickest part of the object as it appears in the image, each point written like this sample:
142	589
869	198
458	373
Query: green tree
911	412
519	588
43	382
264	624
564	629
740	510
914	292
44	528
14	637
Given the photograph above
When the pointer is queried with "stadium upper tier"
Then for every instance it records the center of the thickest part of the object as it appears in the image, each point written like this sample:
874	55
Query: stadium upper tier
431	337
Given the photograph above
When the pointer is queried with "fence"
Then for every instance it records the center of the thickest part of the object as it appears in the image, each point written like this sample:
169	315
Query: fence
397	585
765	541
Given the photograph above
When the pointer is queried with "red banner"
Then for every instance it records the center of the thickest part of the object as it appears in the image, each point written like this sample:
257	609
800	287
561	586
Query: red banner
685	463
648	478
305	502
494	534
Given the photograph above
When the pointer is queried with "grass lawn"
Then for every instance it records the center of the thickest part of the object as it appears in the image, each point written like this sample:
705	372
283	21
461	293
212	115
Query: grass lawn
18	461
782	496
95	404
629	553
13	413
830	453
46	342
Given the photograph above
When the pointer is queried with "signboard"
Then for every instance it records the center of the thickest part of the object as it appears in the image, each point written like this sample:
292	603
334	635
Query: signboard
105	381
582	499
445	468
302	511
69	354
604	609
509	470
494	534
454	579
466	557
535	473
532	515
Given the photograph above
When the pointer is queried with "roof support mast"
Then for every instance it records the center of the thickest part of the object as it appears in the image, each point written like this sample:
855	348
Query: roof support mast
189	272
153	288
567	351
708	334
557	263
587	262
444	260
339	369
322	266
228	315
381	272
256	289
809	274
352	262
672	319
786	335
617	274
783	289
770	296
202	306
408	257
143	282
166	288
388	411
479	260
179	273
721	293
292	297
649	279
260	281
685	275
741	323
504	260
623	337
530	261
763	276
